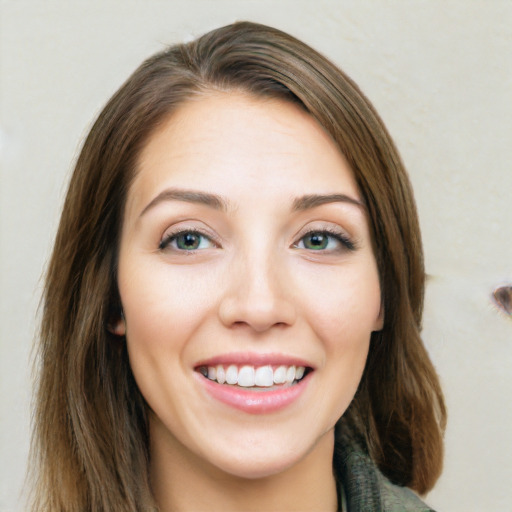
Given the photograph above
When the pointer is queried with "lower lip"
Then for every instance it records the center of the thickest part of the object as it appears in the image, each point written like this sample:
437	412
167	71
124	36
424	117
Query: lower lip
255	402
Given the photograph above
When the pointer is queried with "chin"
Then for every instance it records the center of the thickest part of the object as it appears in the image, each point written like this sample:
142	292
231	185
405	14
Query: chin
261	468
267	457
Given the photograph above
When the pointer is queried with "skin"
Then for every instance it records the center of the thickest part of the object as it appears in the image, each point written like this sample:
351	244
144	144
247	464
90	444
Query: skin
254	285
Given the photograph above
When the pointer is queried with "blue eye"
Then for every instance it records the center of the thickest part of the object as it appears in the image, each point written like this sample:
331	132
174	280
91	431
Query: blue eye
186	241
324	241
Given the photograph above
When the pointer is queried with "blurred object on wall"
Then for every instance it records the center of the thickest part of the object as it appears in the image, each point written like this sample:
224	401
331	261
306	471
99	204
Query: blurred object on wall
503	297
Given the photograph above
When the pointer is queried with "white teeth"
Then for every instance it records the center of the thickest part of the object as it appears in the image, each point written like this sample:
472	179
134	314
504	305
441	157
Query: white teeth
249	376
232	374
280	375
264	376
290	374
221	374
212	373
246	376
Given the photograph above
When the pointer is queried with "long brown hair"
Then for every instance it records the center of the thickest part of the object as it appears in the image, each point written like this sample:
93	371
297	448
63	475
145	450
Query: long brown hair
90	446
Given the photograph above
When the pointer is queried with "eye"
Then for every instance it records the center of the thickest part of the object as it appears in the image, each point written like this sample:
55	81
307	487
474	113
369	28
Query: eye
186	241
324	241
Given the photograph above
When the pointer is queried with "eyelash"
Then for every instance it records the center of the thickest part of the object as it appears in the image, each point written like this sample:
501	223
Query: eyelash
341	238
345	242
171	237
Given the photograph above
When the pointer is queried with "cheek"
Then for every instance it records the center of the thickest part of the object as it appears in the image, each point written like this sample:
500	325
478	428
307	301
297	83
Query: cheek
344	305
343	312
159	304
163	309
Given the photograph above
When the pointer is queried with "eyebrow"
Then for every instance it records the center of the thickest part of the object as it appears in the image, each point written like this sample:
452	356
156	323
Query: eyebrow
189	196
302	203
313	200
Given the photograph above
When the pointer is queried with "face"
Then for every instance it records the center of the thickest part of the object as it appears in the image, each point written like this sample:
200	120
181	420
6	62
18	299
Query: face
248	284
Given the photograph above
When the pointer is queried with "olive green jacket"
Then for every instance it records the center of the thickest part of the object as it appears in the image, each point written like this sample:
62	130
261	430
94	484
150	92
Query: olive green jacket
363	488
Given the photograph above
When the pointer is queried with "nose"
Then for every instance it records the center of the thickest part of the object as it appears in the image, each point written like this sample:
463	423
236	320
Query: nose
258	295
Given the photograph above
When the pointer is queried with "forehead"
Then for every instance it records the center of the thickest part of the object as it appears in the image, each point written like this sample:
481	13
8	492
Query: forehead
233	144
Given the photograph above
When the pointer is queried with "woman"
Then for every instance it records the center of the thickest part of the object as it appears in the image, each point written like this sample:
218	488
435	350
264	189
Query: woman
233	305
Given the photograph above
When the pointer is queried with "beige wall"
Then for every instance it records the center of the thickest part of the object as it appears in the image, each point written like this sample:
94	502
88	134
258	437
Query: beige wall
439	72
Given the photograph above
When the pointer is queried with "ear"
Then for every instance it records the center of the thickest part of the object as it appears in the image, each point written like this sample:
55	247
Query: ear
379	321
117	326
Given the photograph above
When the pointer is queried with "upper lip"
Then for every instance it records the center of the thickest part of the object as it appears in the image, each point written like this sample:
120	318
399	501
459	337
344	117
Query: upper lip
254	359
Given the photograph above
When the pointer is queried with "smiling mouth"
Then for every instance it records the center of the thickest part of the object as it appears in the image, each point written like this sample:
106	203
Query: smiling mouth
257	378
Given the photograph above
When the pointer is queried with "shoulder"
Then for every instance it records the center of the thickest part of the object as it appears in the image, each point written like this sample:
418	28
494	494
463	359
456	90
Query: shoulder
394	498
365	489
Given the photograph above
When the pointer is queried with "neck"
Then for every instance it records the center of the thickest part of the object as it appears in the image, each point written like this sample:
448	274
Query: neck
182	482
